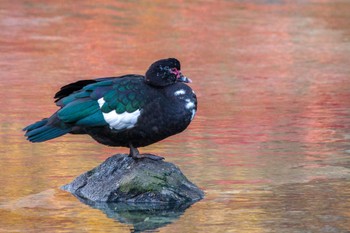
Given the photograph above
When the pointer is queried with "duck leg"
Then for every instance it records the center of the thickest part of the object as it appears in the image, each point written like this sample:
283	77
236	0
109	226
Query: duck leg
135	154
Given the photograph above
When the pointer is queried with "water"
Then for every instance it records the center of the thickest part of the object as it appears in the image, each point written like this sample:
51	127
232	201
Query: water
269	145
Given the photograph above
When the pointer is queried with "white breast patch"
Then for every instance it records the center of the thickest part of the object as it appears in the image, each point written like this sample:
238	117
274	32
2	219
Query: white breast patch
189	104
180	92
117	121
193	113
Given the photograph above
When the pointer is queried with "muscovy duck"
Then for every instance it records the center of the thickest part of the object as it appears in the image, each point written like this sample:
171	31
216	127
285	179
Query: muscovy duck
129	111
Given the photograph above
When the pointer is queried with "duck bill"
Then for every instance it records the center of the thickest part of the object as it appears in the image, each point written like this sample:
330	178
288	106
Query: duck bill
184	79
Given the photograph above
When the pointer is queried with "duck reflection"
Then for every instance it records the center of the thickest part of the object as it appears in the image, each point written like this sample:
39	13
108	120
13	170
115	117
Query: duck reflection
143	216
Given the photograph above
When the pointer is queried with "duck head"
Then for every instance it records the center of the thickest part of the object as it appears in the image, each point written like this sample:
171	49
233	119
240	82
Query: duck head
165	72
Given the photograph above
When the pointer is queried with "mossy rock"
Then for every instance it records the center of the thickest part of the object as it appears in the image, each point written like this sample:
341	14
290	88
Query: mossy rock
123	179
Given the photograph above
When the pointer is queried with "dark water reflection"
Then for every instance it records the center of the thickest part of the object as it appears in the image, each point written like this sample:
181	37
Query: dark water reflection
142	217
270	142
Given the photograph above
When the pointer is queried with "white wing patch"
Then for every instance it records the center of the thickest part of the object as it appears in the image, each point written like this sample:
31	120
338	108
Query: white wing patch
117	121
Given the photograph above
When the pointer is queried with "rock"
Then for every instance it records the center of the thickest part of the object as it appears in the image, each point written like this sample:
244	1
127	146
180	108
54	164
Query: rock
123	179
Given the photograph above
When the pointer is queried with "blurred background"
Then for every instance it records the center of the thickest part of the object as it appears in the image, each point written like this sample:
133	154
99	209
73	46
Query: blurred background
270	143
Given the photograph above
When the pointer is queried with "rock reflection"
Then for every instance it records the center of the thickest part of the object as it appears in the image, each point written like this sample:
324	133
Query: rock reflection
142	216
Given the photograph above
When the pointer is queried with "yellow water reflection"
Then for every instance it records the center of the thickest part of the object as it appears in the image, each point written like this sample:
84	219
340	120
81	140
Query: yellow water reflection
270	142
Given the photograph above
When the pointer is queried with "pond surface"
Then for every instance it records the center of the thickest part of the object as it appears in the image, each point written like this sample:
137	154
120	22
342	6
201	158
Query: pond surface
270	144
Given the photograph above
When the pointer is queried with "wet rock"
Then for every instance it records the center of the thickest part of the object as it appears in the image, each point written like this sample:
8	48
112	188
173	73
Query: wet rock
123	179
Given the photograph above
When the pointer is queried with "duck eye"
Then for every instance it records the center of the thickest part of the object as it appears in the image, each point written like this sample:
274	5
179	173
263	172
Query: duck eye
174	71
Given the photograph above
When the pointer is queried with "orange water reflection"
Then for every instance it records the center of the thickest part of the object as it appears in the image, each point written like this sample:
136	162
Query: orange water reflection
270	142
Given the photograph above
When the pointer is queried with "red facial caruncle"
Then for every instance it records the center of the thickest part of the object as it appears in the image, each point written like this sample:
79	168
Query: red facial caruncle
176	72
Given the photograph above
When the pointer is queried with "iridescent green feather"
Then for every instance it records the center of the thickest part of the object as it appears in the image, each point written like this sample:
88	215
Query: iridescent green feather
120	108
78	110
129	107
126	95
110	96
95	119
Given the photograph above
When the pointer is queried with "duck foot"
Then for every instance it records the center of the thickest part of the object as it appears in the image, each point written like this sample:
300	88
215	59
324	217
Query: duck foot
149	156
135	154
